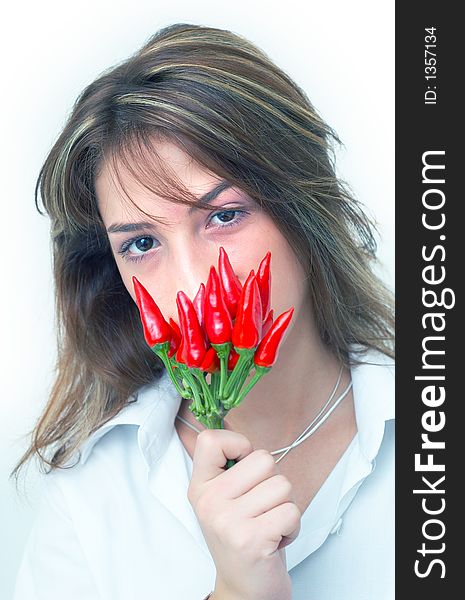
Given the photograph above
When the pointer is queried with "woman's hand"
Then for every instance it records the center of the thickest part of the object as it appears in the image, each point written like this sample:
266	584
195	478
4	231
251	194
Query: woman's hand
247	514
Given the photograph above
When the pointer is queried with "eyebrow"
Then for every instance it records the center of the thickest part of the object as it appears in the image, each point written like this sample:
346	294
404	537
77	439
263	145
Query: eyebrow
205	199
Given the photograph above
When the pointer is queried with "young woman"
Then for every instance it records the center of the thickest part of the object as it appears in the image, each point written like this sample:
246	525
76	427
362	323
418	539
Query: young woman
199	141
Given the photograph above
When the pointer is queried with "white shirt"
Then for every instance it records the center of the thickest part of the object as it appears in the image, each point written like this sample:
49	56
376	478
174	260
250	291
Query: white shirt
119	526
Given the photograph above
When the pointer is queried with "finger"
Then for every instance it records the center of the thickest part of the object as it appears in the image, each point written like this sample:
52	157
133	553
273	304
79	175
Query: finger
213	448
249	472
282	523
265	496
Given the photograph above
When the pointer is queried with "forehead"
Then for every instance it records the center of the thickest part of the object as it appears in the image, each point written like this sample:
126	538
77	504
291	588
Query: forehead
149	180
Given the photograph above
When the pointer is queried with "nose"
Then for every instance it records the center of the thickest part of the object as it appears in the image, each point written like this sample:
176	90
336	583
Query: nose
190	273
188	267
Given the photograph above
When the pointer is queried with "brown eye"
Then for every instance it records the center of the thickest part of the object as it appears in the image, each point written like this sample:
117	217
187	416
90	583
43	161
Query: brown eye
144	244
228	215
141	246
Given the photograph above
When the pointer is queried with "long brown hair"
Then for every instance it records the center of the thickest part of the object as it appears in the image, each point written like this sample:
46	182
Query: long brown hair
240	116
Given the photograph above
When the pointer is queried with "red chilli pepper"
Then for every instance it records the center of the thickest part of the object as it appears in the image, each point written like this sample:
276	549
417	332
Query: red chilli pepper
176	339
199	304
267	350
267	323
218	323
247	329
211	362
193	344
156	329
230	284
232	359
264	282
180	352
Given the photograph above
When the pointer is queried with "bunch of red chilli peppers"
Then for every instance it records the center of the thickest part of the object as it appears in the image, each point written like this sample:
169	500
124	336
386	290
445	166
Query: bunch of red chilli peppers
227	330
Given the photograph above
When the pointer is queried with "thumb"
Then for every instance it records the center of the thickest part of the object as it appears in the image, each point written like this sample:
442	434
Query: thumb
213	448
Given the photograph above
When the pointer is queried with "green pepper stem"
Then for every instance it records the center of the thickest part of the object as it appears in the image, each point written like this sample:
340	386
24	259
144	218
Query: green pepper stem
242	375
230	402
223	350
214	385
199	408
224	373
209	400
244	358
259	372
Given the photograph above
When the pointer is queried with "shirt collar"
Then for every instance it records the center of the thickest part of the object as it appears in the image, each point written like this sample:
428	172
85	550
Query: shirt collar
373	385
157	404
153	407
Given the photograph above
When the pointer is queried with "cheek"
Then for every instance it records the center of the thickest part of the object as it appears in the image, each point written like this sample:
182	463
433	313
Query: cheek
289	285
161	287
126	274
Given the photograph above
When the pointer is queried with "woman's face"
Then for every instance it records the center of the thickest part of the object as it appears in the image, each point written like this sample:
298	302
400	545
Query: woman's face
177	254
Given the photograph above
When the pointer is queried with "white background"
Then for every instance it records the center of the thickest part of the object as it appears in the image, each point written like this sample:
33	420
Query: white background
341	53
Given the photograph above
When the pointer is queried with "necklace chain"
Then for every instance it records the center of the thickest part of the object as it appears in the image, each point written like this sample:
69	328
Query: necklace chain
317	421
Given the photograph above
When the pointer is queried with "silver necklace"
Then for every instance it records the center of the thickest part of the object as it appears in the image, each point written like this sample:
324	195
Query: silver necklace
320	418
